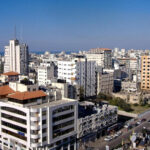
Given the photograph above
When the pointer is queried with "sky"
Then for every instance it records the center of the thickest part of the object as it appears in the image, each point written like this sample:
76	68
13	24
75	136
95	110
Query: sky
76	24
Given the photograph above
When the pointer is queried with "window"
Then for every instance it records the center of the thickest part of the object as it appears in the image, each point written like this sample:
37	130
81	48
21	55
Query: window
44	130
13	110
44	113
43	121
14	118
63	117
44	139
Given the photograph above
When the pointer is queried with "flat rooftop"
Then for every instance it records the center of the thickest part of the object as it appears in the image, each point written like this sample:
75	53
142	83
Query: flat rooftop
54	103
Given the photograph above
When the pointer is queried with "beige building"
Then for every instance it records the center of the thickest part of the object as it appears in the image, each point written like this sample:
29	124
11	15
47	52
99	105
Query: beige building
145	72
105	82
102	57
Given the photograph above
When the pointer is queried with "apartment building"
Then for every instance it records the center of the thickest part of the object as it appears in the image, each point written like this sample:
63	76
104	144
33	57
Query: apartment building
67	90
145	72
9	76
46	72
16	57
105	82
94	118
79	72
30	122
102	57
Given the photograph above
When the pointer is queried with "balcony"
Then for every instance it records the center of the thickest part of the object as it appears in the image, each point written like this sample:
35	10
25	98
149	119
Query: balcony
34	110
35	136
35	144
35	126
35	118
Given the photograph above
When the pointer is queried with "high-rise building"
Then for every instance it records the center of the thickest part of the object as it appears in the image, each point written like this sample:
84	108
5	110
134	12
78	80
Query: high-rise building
16	57
105	82
145	72
79	72
102	57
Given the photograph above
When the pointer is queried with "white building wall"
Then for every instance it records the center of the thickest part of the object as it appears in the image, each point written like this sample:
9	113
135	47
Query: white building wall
34	116
14	56
79	72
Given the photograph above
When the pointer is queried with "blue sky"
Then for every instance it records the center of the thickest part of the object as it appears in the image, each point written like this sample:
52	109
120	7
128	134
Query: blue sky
76	24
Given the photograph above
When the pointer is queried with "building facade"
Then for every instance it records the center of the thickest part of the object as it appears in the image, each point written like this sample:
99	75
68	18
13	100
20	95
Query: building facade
102	57
79	72
105	83
94	118
145	72
16	57
30	122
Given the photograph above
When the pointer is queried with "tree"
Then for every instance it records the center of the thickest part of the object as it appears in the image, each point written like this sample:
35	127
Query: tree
81	93
1	67
121	104
103	96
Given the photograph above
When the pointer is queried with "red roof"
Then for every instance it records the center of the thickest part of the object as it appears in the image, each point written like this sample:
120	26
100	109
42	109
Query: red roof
27	95
5	90
11	73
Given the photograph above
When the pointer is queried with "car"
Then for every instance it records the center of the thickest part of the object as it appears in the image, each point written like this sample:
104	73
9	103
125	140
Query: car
143	120
126	125
108	138
119	133
115	135
139	122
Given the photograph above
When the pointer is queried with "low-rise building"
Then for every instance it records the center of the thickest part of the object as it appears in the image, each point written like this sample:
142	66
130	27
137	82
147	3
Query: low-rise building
94	118
9	76
128	86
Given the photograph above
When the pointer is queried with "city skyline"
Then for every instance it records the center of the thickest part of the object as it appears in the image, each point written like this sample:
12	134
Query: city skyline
76	25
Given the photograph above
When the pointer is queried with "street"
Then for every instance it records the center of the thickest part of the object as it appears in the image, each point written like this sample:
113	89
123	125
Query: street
100	144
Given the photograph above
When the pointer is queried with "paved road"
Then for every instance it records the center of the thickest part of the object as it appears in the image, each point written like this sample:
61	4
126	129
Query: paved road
100	144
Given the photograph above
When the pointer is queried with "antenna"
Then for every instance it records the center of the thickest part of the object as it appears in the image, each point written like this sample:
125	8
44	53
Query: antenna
21	33
15	32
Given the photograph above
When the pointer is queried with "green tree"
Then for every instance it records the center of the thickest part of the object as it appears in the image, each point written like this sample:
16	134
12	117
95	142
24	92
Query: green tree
81	93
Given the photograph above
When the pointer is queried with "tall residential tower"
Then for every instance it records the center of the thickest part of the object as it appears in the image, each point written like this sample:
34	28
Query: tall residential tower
16	57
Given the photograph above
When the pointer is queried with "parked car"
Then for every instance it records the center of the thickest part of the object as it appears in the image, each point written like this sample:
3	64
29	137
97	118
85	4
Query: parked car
143	120
108	138
126	125
119	133
139	122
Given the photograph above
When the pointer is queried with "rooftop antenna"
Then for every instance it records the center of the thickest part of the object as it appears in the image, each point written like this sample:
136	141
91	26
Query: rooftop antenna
15	32
21	33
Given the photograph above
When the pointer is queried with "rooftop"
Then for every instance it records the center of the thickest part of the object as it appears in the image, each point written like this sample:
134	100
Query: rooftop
55	103
27	95
98	50
11	73
5	90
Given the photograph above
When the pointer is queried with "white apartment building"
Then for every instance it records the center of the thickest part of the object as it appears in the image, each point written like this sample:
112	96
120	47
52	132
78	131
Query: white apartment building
44	75
102	57
98	118
105	82
30	122
133	63
80	72
16	57
46	72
